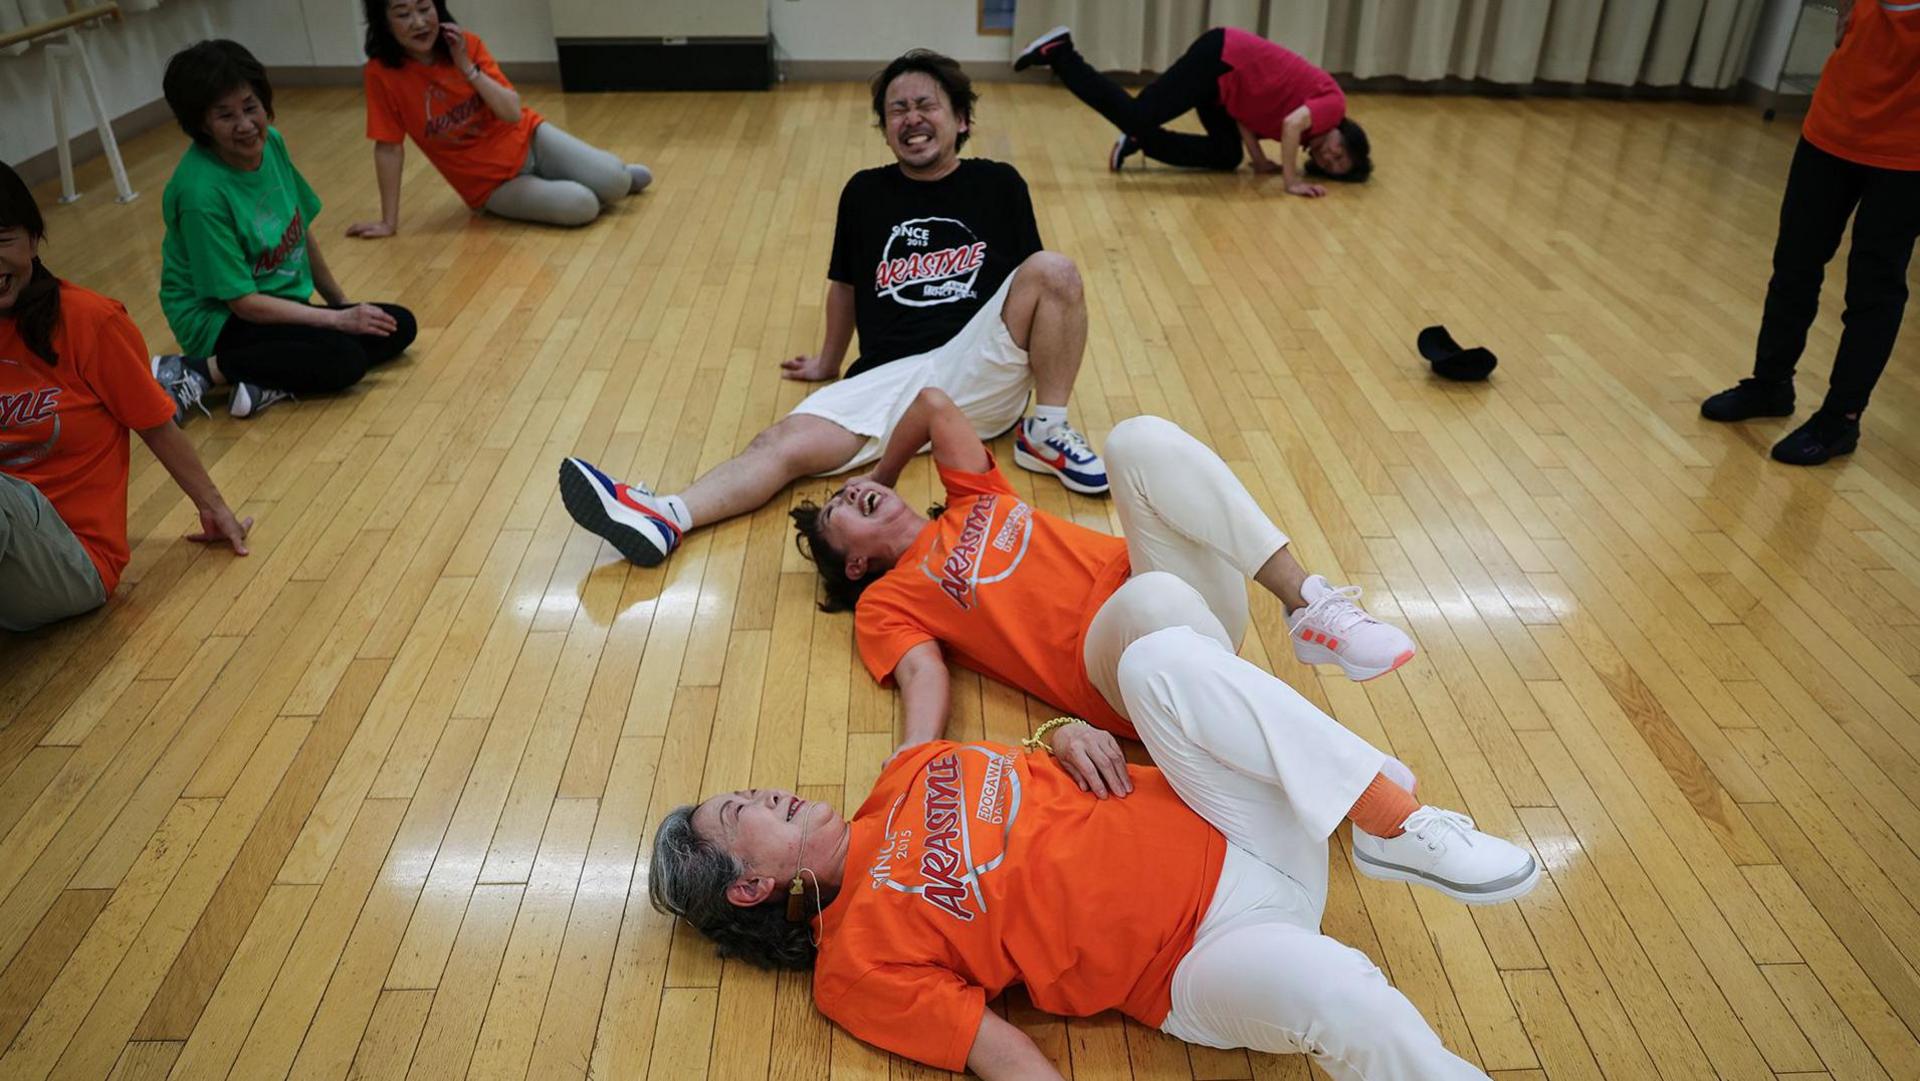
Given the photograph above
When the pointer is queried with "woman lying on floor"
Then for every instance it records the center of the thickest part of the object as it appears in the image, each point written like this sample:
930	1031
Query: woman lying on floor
1190	900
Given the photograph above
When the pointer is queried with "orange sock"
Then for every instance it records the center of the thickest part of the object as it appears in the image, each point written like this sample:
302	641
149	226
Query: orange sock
1382	807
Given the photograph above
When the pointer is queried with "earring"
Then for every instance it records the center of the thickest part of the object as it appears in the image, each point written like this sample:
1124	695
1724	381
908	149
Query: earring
796	896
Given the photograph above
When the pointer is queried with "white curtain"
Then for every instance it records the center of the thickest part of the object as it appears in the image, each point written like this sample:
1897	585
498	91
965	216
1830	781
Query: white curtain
1697	43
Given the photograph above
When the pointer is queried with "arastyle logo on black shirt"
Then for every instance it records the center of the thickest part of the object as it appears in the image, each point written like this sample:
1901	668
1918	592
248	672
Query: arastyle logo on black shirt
924	255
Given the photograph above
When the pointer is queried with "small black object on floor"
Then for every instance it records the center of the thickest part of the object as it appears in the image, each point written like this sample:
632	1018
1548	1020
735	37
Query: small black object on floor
1452	362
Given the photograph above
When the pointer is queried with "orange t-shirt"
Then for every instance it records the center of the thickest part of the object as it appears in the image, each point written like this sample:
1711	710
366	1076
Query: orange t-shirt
1006	590
63	427
1867	106
975	866
435	106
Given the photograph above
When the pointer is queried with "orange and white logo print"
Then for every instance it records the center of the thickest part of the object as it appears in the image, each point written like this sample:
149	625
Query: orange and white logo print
949	830
991	545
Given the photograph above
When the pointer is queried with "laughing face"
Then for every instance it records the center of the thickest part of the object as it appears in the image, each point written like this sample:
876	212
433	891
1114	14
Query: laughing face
17	249
921	127
865	521
237	124
773	833
415	25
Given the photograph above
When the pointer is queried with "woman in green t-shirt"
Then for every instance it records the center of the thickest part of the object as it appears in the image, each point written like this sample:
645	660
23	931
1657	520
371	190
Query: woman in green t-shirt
240	260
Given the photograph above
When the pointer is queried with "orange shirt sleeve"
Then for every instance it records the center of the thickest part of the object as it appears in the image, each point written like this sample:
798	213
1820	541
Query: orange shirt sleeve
923	1012
885	629
383	120
122	376
960	483
483	60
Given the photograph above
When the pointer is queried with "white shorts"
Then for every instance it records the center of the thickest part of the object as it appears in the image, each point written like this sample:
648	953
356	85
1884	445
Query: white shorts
981	369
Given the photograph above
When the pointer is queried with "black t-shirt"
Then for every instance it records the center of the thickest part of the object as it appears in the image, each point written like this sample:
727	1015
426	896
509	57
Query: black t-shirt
924	255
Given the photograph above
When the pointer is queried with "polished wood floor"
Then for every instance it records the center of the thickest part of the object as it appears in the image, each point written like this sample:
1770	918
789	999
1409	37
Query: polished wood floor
374	802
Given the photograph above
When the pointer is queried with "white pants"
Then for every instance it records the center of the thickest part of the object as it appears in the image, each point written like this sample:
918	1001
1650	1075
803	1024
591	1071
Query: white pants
1276	776
564	181
981	368
1184	513
1261	976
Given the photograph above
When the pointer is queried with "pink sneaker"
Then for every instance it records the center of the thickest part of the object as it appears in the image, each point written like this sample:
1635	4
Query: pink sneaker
1332	629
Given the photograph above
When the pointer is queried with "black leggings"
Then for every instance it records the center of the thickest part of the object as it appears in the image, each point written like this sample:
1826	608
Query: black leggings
1190	84
1822	193
307	360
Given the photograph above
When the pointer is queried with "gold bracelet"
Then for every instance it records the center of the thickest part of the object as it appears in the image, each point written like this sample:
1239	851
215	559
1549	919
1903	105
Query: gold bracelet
1038	741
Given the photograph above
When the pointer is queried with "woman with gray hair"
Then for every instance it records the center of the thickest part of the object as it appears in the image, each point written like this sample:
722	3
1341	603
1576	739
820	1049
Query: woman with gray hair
1190	900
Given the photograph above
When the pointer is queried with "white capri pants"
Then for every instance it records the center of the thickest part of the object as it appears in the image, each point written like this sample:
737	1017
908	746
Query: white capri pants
981	368
1276	776
1183	513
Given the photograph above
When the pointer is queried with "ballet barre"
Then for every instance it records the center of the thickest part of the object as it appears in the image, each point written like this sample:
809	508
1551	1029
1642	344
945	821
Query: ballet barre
67	47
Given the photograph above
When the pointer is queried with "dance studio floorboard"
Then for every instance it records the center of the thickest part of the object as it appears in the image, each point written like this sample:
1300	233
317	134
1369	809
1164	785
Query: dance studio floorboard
374	802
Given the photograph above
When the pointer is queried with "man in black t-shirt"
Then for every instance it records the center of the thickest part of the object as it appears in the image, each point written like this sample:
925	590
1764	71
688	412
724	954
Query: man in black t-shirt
938	263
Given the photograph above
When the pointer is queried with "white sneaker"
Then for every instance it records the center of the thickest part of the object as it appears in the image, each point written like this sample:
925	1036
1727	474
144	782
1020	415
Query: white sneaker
1441	850
1332	629
250	399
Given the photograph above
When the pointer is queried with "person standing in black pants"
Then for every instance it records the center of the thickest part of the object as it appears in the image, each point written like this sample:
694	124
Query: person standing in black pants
1859	158
1242	87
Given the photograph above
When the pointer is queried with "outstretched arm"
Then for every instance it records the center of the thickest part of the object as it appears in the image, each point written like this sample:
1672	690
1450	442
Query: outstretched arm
388	158
1293	131
932	418
1001	1052
924	697
217	522
833	349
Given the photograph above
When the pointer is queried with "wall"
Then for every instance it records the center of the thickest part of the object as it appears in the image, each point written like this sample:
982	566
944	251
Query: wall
881	29
1776	30
128	59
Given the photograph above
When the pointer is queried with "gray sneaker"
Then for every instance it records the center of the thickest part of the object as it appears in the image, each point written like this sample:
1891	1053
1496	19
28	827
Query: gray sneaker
249	399
184	385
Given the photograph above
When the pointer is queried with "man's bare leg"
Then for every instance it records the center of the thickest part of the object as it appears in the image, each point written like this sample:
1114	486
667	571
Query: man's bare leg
1046	314
646	527
800	445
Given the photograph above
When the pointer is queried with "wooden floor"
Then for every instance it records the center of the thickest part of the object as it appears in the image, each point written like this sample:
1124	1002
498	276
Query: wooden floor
374	802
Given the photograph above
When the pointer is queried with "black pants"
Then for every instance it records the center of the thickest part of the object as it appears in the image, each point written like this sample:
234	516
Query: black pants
307	360
1823	191
1190	84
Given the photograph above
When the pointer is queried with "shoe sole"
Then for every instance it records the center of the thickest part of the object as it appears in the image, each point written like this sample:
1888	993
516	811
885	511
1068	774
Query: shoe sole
1032	464
1387	872
1787	412
1314	653
1028	55
584	500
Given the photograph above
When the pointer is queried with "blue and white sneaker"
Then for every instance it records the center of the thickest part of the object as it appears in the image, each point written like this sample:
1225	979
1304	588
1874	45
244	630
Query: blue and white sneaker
626	516
184	385
1063	452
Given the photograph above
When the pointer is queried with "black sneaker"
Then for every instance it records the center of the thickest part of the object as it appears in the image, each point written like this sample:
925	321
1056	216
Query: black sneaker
1037	50
1751	398
1123	148
1820	438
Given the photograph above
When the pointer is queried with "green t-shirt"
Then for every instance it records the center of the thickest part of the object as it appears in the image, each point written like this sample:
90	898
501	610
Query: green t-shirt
231	234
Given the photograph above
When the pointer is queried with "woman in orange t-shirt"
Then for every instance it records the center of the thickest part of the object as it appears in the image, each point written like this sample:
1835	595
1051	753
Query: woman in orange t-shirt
1190	900
1858	158
429	80
74	379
